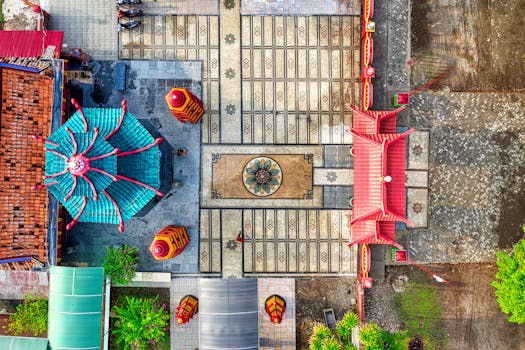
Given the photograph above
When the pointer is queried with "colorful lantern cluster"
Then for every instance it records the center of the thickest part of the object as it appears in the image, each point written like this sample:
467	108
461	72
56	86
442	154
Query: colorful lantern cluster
184	105
169	242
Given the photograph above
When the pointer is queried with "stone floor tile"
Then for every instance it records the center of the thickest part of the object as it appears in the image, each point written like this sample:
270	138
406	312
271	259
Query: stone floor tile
417	206
418	150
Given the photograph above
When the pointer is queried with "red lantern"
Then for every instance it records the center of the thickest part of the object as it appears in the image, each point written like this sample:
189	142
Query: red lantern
169	242
188	307
184	105
275	307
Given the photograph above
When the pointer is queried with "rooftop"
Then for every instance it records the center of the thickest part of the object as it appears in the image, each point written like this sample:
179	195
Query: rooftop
26	110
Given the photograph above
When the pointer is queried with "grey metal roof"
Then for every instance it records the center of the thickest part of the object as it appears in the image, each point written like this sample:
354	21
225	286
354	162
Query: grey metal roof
228	314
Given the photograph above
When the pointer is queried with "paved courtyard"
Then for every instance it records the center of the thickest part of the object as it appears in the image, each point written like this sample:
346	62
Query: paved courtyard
276	79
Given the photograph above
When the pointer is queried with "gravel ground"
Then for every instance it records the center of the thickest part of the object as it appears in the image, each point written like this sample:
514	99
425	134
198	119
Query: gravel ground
315	294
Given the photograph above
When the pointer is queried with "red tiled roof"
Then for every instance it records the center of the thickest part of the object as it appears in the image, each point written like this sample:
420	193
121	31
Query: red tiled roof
26	109
375	122
29	43
374	232
378	203
378	156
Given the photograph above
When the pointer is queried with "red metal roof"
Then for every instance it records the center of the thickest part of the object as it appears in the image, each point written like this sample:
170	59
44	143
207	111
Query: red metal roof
375	122
374	232
29	43
378	156
379	153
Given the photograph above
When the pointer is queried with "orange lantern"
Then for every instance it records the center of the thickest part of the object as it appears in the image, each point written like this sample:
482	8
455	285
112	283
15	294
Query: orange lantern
188	307
169	242
184	105
275	307
364	269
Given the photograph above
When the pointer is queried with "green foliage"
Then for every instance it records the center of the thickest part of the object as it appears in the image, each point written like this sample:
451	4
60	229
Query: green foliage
1	14
331	344
30	316
350	347
420	310
344	327
371	337
318	337
396	341
119	264
140	321
510	282
340	339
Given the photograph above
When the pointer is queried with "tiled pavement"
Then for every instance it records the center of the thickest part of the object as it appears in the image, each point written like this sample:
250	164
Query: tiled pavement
272	336
90	25
300	7
186	336
182	38
284	99
266	80
180	7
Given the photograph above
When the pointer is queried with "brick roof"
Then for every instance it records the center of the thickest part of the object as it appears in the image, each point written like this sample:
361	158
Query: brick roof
26	109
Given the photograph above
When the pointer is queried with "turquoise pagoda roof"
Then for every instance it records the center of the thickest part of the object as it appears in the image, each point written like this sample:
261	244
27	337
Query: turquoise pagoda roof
102	165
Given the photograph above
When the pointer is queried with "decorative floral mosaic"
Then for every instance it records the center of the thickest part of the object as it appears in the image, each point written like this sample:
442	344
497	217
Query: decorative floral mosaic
230	73
229	4
229	38
262	176
230	109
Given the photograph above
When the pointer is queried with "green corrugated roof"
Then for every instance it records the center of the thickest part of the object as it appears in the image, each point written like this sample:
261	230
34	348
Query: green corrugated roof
75	307
22	343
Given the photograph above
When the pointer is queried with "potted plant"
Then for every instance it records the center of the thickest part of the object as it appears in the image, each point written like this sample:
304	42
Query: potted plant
120	263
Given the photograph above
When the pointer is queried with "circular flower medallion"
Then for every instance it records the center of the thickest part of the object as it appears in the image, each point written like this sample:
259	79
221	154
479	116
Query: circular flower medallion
262	176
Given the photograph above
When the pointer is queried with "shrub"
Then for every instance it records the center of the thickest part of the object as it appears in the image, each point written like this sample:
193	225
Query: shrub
331	344
344	327
371	336
119	264
30	316
140	321
318	337
510	282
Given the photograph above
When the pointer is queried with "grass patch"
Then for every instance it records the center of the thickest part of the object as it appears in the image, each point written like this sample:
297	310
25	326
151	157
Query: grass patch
420	309
1	15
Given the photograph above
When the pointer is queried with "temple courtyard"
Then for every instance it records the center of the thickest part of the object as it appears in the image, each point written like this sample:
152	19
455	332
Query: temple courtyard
277	80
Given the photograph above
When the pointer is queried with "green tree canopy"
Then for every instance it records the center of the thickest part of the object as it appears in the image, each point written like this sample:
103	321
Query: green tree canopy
510	282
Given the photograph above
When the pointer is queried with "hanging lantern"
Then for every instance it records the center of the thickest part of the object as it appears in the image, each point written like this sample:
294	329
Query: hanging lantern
169	242
188	307
366	281
184	105
275	307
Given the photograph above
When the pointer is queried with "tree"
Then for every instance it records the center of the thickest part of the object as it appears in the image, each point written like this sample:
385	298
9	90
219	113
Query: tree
119	263
510	282
30	316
